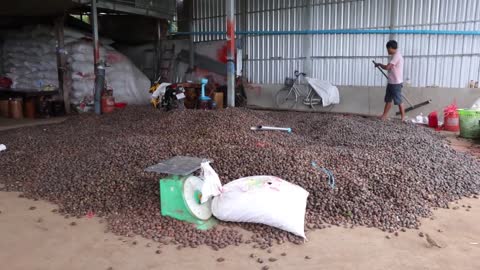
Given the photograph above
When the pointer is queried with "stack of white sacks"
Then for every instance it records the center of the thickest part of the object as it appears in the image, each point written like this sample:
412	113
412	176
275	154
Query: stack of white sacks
30	61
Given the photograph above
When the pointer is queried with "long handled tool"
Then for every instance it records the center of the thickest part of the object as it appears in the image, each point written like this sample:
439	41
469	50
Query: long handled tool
412	107
267	128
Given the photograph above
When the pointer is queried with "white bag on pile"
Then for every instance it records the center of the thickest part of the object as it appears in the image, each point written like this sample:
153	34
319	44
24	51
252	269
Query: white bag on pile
29	57
476	105
129	84
267	200
211	185
84	68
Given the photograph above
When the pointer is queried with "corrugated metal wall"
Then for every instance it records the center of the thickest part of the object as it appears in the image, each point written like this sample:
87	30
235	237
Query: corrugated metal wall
274	55
440	59
345	59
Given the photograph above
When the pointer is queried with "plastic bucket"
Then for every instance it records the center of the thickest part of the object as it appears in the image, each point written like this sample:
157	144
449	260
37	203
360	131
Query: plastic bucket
29	108
3	107
469	123
452	122
15	108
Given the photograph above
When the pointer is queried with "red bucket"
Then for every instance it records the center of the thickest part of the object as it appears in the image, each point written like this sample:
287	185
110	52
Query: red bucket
452	122
120	105
451	118
108	104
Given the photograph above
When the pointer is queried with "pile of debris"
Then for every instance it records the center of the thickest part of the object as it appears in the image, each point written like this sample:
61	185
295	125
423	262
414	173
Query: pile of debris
387	174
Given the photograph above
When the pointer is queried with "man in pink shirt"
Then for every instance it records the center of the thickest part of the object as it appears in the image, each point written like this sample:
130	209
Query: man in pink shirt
395	80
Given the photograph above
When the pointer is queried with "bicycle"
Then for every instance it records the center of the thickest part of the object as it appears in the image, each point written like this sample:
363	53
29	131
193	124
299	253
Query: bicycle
288	96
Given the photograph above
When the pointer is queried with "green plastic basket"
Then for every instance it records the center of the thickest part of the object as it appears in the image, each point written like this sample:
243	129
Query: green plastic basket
469	123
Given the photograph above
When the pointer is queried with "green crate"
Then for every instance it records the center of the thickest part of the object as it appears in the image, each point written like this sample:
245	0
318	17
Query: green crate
469	123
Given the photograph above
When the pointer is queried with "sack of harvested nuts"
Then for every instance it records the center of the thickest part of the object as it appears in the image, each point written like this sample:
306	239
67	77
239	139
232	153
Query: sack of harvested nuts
267	200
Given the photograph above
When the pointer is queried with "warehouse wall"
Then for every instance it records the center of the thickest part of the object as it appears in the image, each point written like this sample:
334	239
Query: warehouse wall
345	59
143	57
369	100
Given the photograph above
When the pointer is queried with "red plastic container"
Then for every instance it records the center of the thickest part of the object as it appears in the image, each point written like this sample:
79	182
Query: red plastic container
452	122
120	105
433	120
108	104
451	118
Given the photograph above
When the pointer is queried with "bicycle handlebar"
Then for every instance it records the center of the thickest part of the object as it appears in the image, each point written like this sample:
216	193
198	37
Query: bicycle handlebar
297	74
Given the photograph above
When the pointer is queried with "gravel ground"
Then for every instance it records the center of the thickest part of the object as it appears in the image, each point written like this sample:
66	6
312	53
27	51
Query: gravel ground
388	174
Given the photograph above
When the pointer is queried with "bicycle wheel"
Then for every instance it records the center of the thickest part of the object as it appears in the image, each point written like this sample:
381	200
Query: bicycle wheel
286	98
316	103
313	100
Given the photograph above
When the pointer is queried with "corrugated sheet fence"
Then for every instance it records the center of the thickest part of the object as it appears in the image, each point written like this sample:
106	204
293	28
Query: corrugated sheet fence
345	58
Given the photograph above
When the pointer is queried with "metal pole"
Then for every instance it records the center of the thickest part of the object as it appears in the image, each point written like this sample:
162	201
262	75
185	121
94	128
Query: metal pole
230	6
393	17
157	48
188	4
307	39
96	58
242	54
62	63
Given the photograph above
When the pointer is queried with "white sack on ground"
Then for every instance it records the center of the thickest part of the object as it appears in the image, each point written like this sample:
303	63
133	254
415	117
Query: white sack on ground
328	92
267	200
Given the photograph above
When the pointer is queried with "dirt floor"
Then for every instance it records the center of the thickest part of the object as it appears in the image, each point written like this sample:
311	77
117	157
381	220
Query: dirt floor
34	237
40	239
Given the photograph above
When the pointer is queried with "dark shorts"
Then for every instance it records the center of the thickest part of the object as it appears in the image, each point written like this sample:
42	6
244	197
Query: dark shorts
394	93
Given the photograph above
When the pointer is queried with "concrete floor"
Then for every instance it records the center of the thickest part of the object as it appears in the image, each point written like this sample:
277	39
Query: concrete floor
8	123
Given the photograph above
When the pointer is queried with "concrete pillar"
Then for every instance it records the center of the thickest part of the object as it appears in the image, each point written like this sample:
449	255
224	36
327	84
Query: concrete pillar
96	58
230	12
307	39
393	17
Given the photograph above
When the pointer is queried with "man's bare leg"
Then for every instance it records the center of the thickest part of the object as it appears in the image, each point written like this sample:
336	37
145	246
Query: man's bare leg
402	111
388	106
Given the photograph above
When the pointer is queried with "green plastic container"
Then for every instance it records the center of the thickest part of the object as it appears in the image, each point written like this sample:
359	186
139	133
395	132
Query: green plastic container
469	123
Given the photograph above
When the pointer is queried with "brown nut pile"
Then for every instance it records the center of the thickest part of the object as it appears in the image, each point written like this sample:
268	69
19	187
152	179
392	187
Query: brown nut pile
388	174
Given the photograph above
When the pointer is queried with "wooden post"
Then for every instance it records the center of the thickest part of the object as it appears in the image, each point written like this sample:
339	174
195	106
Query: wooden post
63	77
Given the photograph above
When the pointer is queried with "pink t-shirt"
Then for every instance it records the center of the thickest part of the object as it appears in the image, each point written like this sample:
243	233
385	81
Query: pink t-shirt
395	75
